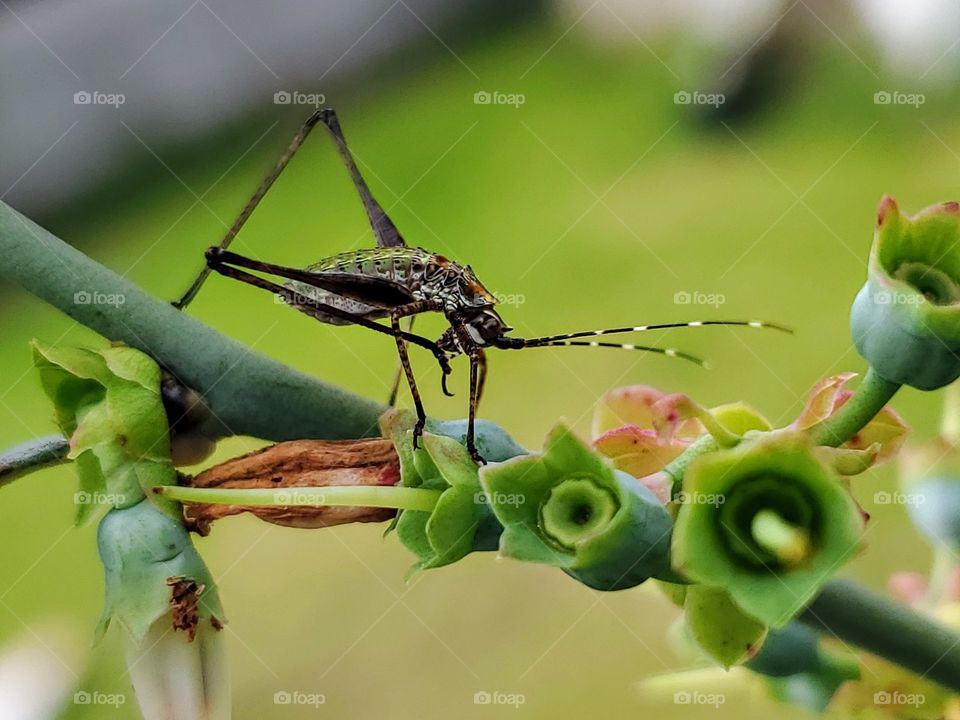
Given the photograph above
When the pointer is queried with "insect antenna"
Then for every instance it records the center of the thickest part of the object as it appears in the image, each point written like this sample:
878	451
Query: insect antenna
669	352
569	339
534	342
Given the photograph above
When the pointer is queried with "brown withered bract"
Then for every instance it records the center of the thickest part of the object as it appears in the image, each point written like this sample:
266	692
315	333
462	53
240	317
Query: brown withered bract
299	463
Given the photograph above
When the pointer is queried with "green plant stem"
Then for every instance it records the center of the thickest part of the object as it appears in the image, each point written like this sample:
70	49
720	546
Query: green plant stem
867	400
382	496
701	446
248	393
883	627
32	455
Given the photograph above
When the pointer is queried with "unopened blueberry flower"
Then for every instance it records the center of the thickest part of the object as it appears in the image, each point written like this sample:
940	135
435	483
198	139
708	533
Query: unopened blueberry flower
158	589
568	507
768	521
906	319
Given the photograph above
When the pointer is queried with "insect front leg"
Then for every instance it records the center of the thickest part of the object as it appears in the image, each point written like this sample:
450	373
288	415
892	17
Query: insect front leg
478	365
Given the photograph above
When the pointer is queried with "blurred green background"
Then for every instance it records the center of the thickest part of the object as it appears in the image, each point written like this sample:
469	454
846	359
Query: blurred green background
595	202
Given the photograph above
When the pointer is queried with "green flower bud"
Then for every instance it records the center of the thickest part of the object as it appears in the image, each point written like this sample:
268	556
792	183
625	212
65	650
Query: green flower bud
462	521
906	320
162	594
768	521
569	508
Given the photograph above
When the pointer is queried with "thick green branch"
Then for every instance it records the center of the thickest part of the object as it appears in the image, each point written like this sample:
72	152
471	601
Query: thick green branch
249	393
903	636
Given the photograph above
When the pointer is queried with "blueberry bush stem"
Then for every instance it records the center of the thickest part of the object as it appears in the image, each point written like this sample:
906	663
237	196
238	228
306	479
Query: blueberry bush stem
886	628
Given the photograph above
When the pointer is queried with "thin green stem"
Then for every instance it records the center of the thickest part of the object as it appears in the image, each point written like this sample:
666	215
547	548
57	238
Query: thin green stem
701	446
382	496
860	617
867	400
32	455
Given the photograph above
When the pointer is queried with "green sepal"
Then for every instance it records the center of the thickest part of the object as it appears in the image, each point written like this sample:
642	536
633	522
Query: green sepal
108	402
714	542
461	522
674	592
630	545
141	548
720	627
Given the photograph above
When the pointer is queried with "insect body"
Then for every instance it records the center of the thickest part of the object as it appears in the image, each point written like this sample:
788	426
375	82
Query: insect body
421	275
394	281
